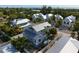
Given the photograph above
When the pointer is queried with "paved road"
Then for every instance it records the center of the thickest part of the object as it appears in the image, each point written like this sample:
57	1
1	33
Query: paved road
58	45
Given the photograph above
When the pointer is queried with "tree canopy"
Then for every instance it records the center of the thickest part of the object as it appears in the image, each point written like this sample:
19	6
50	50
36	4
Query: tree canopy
76	26
19	43
46	10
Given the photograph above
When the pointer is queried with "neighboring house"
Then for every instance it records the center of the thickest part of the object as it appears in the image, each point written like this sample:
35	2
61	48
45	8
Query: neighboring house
68	45
49	16
58	17
39	16
42	16
21	22
35	16
35	33
8	48
68	21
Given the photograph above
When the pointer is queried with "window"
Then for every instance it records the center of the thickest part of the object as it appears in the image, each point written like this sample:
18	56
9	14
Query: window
35	41
67	22
39	40
64	22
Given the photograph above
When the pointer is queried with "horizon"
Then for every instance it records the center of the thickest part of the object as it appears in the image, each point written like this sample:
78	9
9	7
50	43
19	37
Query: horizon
40	6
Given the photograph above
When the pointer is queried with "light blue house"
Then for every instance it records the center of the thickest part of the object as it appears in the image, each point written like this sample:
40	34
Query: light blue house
35	34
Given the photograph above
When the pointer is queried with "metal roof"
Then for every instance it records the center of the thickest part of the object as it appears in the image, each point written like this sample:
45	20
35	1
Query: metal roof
41	26
64	45
71	18
20	21
58	16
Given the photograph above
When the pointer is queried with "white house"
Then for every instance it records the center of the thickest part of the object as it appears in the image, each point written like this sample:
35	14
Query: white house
42	16
21	22
35	34
58	17
49	16
68	45
35	16
68	21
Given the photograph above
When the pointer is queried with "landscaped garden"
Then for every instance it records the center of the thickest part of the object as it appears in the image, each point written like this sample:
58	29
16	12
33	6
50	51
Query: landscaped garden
22	43
10	31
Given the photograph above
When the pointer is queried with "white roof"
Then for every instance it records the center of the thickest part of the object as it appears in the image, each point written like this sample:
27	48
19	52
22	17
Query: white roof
71	18
75	42
41	26
38	15
20	21
69	48
28	24
35	15
50	15
44	16
58	16
65	46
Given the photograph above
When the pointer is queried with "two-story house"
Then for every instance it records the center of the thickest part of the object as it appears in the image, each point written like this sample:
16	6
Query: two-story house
69	21
35	33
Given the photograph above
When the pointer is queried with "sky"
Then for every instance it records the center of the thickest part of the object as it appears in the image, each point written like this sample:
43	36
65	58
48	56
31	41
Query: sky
39	6
39	3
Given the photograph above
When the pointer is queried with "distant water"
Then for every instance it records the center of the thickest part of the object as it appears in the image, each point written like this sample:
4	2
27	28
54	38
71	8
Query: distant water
21	6
39	6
